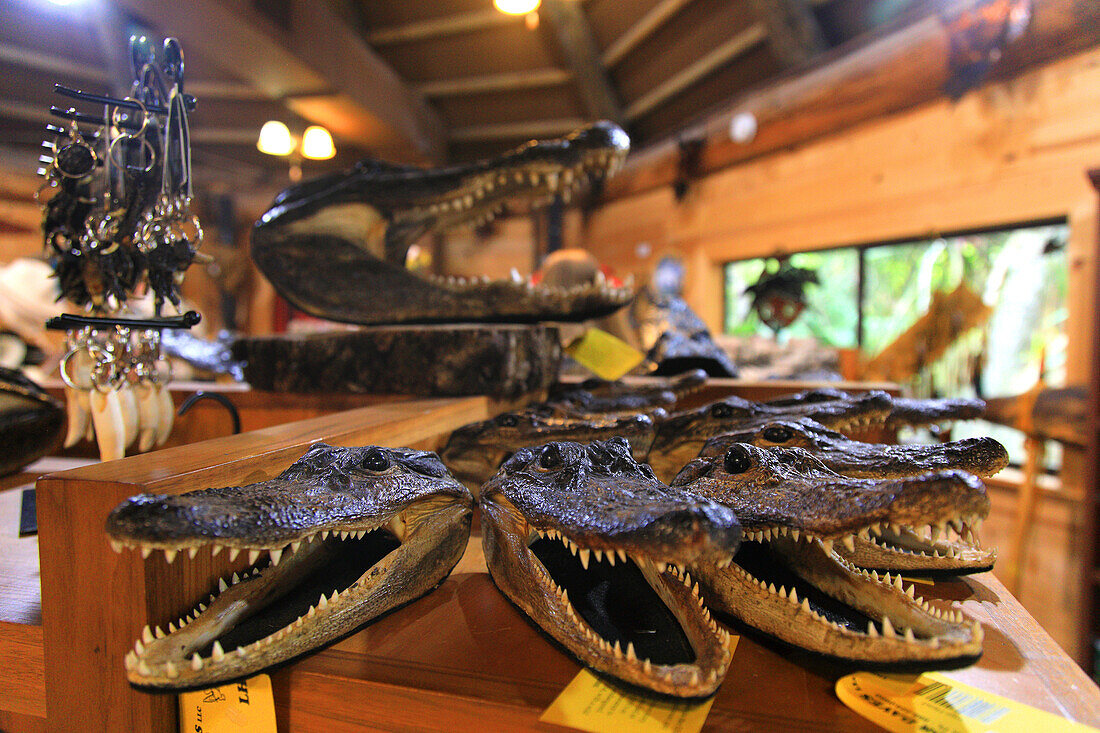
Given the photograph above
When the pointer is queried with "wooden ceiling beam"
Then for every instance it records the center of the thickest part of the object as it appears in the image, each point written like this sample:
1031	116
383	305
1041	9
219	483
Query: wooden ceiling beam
689	75
794	35
897	68
504	82
310	60
449	25
516	130
657	16
578	46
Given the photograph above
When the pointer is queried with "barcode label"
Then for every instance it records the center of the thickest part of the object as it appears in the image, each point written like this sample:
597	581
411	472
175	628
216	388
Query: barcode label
962	703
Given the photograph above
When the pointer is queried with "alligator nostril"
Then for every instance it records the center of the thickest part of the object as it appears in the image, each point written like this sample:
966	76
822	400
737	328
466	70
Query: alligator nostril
738	459
721	410
376	460
777	434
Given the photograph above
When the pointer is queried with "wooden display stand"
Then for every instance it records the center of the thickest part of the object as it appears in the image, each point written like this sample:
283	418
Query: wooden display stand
462	657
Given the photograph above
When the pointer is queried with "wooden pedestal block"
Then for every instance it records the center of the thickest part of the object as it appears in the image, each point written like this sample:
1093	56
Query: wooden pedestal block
444	360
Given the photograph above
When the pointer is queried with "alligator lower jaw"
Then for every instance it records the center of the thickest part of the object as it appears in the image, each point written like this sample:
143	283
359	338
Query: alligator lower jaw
948	547
622	614
308	592
803	593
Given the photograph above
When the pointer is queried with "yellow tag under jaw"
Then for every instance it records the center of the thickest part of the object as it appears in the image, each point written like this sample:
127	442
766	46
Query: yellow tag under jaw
604	355
239	706
591	704
935	703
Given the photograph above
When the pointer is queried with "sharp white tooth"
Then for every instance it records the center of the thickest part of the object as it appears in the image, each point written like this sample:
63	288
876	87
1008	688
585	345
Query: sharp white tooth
143	669
806	605
795	534
599	555
871	630
849	541
874	575
139	648
158	632
771	587
202	607
335	596
146	552
630	651
170	555
116	546
827	545
951	552
196	662
253	556
887	628
233	552
323	603
584	558
276	556
236	579
295	545
909	637
147	634
216	652
611	557
897	583
214	550
131	661
909	591
171	627
325	533
794	595
864	534
311	612
192	551
241	652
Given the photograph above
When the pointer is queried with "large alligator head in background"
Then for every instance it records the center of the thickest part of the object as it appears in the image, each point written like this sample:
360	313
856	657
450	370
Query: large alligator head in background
681	435
591	547
474	452
598	397
789	581
904	411
336	246
340	537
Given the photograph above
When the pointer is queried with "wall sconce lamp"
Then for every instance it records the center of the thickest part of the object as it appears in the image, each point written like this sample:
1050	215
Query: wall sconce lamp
315	144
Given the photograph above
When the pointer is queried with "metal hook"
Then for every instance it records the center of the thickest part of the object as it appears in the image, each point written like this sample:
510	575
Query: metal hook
217	397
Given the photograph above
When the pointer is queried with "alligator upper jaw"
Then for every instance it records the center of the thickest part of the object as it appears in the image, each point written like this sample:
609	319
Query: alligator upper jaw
299	595
947	547
796	588
621	612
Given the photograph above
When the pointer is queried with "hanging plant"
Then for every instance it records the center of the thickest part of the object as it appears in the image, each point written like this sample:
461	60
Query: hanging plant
779	297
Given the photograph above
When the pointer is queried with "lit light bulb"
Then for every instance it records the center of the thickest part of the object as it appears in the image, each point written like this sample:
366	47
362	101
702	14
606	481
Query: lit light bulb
275	139
516	7
317	143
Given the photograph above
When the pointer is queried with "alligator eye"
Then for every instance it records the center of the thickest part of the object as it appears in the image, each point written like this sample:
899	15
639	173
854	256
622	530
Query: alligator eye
777	434
550	458
721	410
738	459
376	460
508	421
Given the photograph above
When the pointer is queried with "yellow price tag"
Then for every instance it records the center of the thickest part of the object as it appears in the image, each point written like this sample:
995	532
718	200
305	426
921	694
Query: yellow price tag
239	707
604	355
591	704
934	703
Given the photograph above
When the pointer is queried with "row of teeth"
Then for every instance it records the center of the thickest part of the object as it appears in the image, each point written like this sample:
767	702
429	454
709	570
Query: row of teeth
585	554
395	525
614	648
964	527
887	626
599	285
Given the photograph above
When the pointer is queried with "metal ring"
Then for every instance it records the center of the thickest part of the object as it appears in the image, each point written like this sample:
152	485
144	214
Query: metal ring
116	120
145	144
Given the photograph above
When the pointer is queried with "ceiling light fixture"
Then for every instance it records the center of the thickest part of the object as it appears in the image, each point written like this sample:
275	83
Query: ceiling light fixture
275	139
317	143
516	7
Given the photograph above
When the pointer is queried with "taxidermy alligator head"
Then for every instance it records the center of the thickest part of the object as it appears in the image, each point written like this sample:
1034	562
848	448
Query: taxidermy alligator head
336	246
31	421
340	537
591	546
929	547
788	580
681	435
979	456
596	397
904	411
474	452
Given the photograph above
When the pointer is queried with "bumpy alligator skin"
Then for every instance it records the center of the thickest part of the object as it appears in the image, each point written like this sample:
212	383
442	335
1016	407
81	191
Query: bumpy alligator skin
340	537
596	397
30	421
904	411
681	436
789	581
336	246
591	546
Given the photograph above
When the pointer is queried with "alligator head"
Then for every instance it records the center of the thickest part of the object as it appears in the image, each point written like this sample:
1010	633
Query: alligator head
979	456
904	411
682	435
474	452
600	397
336	246
591	546
788	581
340	537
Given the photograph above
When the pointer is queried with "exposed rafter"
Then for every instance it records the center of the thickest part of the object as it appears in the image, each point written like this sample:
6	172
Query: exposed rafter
794	34
579	48
731	49
657	16
307	66
516	130
505	82
437	27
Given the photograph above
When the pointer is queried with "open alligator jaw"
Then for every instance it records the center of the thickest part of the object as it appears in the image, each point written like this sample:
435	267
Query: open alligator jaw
340	537
794	577
325	243
593	548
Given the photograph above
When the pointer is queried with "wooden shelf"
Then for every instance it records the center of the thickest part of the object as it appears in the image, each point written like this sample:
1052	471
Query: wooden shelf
457	658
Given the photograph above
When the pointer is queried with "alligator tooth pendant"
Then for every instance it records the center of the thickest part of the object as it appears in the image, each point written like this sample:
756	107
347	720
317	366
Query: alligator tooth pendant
166	412
109	429
148	417
129	407
76	404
